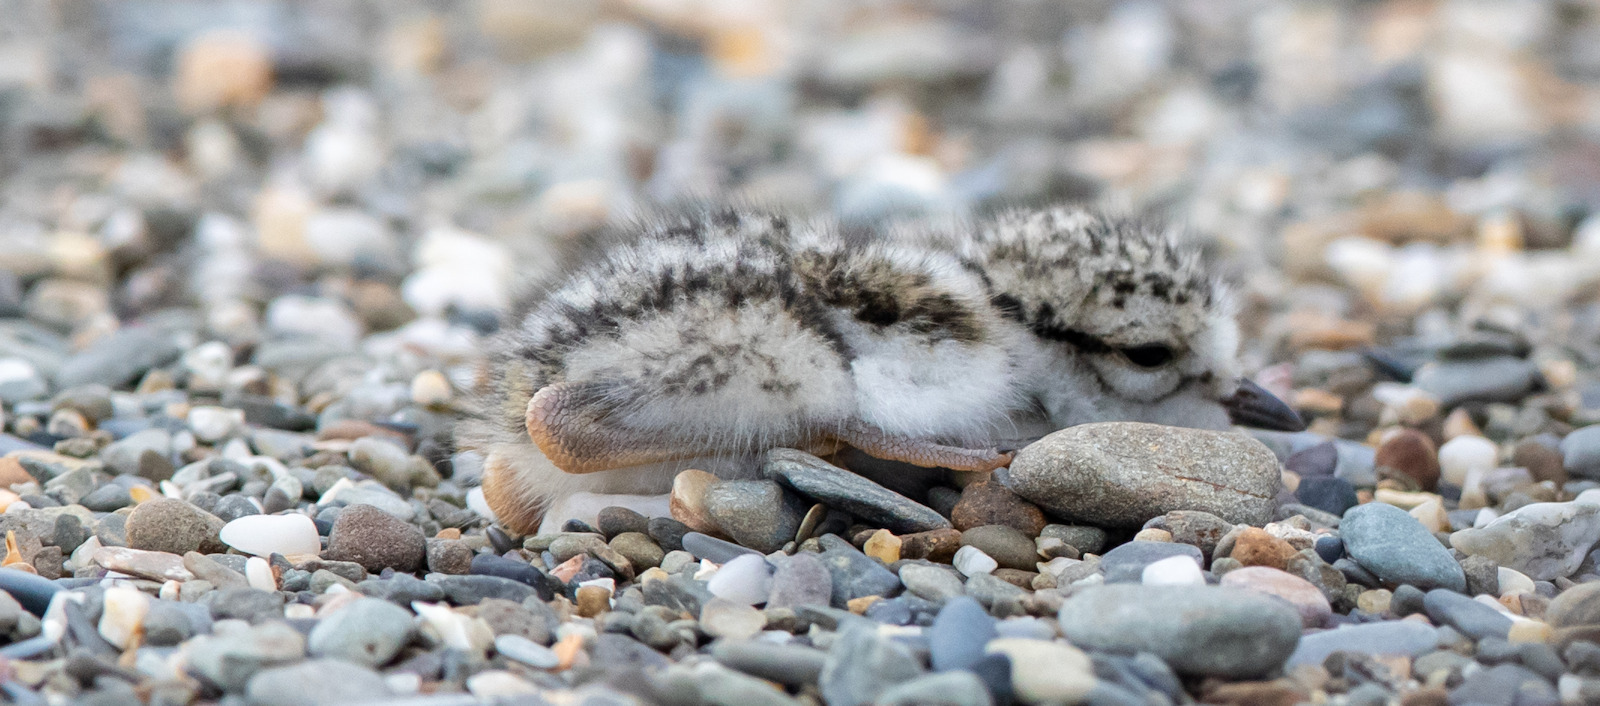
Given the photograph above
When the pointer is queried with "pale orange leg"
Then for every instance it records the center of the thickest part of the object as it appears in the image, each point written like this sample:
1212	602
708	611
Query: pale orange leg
919	452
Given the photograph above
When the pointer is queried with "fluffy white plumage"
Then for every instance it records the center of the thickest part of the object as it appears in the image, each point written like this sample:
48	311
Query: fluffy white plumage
711	336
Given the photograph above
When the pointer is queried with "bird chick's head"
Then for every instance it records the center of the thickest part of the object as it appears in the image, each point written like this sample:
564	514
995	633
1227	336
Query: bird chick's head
1130	322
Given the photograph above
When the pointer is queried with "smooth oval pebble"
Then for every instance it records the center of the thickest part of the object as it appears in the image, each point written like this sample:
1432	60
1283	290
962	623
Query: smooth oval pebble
1210	630
262	535
521	649
1121	474
1173	571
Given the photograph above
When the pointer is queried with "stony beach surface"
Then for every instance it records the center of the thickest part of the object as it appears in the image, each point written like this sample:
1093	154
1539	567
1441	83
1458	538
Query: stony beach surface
250	252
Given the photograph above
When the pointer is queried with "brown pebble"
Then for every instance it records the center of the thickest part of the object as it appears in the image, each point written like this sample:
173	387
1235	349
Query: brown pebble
1255	547
1542	462
1278	692
1411	453
448	533
688	501
593	600
375	539
933	545
1017	577
987	502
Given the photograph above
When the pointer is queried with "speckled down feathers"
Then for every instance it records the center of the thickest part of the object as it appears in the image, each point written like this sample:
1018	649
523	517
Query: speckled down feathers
728	331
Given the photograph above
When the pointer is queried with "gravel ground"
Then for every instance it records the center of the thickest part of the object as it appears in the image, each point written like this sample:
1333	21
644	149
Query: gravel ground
249	254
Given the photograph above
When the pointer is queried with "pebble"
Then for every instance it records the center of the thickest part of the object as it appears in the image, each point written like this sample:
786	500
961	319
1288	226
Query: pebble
1127	562
1397	637
1543	540
1257	547
1499	379
235	658
1009	547
316	681
800	580
1046	672
947	689
1173	571
376	540
265	535
1472	618
723	618
368	631
1306	598
756	513
525	651
959	633
791	664
931	582
712	549
987	502
1199	630
213	424
861	665
934	545
1121	474
883	546
841	489
1086	539
1580	453
1412	454
1396	548
688	501
855	575
1464	456
122	615
156	566
972	561
746	580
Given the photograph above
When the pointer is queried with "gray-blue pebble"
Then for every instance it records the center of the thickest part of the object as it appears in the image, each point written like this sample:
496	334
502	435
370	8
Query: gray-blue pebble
1395	547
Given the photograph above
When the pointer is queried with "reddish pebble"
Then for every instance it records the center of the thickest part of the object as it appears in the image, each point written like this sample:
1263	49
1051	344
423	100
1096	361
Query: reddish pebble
1413	454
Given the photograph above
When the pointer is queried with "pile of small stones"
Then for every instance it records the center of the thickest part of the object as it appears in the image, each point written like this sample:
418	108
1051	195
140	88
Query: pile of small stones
249	253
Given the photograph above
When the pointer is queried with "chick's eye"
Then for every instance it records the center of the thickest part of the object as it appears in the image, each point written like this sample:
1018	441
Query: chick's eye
1153	356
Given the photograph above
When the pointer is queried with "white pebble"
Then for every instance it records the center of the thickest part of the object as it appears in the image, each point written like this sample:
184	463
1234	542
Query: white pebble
295	611
262	535
745	579
208	365
403	683
1462	455
212	424
468	634
1485	516
123	615
1513	581
1173	571
170	590
496	683
521	649
259	573
971	561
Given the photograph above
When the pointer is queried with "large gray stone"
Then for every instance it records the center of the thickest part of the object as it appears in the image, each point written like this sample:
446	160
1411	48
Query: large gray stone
1122	474
1199	630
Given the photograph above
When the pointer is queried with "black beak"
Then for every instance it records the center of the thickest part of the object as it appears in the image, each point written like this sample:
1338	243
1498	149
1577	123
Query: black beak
1253	406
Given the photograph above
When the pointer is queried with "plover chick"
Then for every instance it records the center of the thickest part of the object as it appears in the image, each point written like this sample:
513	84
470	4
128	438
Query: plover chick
713	335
